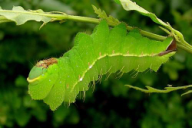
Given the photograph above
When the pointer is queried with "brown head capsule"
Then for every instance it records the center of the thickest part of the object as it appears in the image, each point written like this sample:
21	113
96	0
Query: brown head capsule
46	63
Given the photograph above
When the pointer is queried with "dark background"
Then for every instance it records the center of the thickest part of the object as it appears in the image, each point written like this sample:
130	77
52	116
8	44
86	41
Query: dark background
111	104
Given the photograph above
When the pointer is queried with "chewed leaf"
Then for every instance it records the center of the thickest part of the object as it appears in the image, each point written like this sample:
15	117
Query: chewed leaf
102	14
188	92
166	90
20	16
129	5
149	89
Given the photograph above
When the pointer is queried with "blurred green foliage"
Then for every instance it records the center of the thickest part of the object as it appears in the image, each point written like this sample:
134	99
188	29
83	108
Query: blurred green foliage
110	104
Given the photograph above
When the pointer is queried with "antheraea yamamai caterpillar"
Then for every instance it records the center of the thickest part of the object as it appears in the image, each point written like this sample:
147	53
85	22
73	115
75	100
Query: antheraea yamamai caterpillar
59	80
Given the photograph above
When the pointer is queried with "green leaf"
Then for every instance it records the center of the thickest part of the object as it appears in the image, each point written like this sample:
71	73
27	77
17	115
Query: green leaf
102	14
20	16
129	5
166	90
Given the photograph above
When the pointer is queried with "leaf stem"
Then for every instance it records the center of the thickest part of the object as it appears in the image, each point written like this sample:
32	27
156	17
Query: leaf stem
96	21
63	16
185	46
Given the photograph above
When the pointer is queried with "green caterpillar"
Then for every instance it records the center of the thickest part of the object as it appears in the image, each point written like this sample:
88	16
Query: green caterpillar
58	80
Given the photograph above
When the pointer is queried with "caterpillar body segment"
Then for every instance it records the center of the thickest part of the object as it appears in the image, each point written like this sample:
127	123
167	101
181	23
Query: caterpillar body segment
105	51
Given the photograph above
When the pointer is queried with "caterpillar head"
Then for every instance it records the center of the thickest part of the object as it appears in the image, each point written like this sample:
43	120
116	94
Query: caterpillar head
42	77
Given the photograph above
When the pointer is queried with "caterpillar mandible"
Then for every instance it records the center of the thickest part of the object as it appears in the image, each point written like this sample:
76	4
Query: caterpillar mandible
58	80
